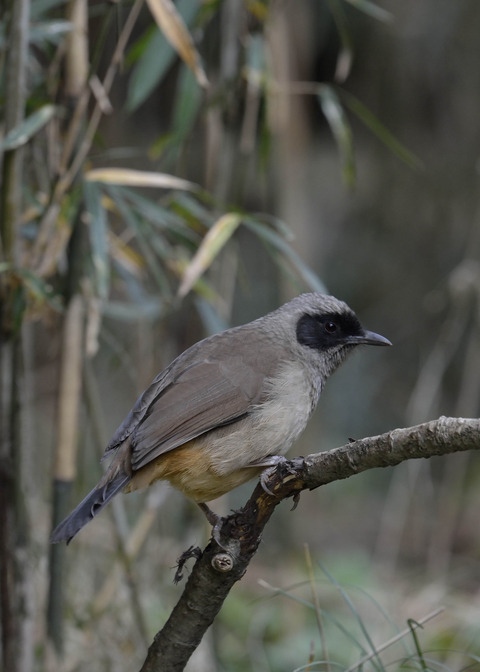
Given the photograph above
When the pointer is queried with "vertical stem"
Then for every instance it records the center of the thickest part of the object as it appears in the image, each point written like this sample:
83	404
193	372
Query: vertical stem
15	574
65	455
15	88
69	393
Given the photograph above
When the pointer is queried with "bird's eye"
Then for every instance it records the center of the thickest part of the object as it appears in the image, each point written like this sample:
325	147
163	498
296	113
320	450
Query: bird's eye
330	327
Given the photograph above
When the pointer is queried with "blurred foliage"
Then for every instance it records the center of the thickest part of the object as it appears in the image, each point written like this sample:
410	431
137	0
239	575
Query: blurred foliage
195	165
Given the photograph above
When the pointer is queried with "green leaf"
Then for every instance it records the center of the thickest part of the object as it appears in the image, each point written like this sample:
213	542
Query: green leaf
50	31
372	10
155	60
149	241
40	7
41	290
382	133
342	132
279	245
36	286
98	237
190	209
148	309
22	133
159	215
345	56
187	103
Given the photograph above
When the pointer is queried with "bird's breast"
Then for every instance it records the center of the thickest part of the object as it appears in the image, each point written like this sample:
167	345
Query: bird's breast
272	425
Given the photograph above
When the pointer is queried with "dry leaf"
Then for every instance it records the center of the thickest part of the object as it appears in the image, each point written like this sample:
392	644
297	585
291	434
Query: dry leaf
217	236
176	32
138	178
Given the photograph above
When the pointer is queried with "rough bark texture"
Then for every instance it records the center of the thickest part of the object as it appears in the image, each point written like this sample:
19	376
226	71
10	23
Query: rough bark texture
224	562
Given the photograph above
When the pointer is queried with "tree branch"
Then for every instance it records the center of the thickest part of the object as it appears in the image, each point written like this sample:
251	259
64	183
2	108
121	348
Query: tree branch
224	562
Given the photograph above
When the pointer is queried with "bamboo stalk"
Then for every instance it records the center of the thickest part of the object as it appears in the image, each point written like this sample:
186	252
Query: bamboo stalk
15	574
69	395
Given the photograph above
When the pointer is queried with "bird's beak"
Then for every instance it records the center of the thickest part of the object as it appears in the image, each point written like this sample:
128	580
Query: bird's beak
368	338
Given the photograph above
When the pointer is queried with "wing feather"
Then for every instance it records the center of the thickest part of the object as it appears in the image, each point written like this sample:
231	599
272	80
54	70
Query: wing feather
207	395
206	387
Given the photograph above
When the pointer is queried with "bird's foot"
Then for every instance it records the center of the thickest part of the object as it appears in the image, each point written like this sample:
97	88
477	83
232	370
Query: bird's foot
271	463
192	552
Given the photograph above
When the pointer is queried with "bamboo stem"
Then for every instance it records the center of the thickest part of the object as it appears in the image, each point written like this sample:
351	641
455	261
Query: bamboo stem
15	574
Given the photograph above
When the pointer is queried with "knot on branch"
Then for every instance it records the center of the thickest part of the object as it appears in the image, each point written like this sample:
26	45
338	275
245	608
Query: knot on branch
222	562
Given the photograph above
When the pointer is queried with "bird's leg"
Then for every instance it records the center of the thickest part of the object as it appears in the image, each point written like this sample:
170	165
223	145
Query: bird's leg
212	517
214	520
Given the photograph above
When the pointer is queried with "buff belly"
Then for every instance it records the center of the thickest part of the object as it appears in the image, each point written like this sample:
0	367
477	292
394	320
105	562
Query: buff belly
190	470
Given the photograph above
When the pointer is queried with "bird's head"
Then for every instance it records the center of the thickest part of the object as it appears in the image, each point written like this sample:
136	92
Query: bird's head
325	330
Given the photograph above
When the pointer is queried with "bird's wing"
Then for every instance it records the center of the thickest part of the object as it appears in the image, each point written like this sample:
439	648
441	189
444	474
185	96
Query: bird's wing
206	395
194	395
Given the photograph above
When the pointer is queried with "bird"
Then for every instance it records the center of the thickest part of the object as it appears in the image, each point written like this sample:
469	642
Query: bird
229	407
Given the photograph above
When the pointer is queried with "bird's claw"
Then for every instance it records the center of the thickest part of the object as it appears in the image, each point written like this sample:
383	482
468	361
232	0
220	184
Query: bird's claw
272	463
295	499
192	552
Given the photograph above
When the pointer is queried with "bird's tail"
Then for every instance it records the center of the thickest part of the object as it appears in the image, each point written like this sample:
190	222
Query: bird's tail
88	509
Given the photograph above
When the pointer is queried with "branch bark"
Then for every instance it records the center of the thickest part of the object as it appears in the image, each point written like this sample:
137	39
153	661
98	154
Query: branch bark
224	561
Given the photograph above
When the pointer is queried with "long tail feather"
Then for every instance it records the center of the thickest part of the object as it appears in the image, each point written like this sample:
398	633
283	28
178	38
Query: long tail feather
88	509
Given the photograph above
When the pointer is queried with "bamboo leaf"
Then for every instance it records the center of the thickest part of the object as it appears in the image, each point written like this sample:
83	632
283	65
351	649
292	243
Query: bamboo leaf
382	133
138	178
345	57
98	237
340	127
176	32
40	7
154	55
273	241
149	70
187	103
148	309
36	286
372	10
49	31
148	244
216	238
191	209
22	133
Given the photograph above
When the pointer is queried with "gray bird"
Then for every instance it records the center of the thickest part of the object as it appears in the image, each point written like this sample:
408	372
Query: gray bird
229	406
